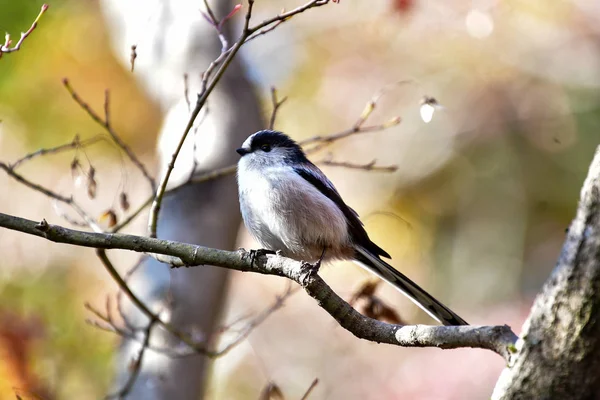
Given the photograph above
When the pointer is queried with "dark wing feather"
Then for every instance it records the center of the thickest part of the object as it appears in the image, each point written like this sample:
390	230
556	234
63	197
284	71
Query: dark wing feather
312	174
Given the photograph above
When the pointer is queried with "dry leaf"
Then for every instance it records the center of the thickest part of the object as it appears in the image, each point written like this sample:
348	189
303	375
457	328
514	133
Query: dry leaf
91	183
366	290
124	202
271	392
109	217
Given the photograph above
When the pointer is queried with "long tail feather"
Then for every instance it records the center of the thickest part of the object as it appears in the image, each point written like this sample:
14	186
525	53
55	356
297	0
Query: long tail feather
414	292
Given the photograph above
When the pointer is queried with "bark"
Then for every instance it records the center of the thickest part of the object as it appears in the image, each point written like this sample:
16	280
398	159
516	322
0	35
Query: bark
558	353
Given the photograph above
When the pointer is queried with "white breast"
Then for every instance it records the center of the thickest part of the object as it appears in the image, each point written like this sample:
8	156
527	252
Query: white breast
285	212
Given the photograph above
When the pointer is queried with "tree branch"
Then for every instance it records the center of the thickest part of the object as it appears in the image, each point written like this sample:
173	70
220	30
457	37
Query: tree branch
497	338
5	48
105	123
76	143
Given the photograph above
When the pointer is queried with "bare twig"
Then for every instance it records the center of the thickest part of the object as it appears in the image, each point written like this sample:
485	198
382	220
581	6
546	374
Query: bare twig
218	24
119	300
371	166
123	286
259	319
320	142
276	103
34	186
133	215
75	144
205	177
7	42
135	366
499	339
109	325
186	91
284	16
105	123
310	389
358	127
51	194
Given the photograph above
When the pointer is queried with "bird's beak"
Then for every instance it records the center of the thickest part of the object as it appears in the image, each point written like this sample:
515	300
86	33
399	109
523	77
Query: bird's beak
242	151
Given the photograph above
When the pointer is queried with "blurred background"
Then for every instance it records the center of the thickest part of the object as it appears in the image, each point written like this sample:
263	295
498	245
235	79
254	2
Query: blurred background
476	212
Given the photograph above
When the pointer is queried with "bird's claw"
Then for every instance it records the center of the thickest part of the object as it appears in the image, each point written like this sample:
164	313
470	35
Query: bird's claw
316	266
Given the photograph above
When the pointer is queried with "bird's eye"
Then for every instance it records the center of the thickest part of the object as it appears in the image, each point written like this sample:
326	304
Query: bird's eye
265	147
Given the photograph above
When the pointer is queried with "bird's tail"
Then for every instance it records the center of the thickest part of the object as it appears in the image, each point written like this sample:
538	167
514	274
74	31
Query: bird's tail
420	297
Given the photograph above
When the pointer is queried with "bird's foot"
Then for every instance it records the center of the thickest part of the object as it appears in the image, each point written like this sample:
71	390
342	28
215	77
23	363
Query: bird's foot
309	270
316	266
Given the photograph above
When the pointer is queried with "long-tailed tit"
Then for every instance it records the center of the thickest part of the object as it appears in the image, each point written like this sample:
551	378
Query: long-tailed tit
289	205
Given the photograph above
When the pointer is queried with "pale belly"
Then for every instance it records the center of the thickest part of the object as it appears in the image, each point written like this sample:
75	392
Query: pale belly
293	217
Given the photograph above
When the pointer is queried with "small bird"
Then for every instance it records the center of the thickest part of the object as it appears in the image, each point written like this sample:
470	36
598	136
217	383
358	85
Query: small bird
289	205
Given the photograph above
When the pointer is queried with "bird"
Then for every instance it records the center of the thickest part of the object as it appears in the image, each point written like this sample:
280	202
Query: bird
289	206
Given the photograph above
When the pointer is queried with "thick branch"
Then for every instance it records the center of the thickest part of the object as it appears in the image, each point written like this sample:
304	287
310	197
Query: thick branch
558	353
498	338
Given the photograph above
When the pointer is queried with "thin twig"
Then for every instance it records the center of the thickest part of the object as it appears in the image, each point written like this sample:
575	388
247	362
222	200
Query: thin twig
35	186
186	91
287	15
259	319
204	177
51	194
75	144
133	215
129	332
105	123
310	389
136	366
276	103
127	276
371	166
6	47
101	253
358	127
324	141
218	24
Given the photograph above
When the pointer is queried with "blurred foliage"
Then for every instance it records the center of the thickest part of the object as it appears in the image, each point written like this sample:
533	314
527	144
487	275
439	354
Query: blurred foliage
65	358
67	44
49	345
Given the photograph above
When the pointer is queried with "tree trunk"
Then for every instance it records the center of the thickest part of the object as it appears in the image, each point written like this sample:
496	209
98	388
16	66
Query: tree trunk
174	39
558	353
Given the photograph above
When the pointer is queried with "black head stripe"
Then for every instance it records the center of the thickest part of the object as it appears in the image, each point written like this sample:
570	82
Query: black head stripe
293	152
273	139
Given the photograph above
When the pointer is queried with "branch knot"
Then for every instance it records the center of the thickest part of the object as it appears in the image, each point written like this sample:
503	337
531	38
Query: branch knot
43	226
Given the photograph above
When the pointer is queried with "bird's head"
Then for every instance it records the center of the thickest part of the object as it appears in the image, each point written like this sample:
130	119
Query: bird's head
270	148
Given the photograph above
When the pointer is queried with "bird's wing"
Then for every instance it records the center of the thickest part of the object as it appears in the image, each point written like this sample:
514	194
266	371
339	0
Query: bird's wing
312	174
